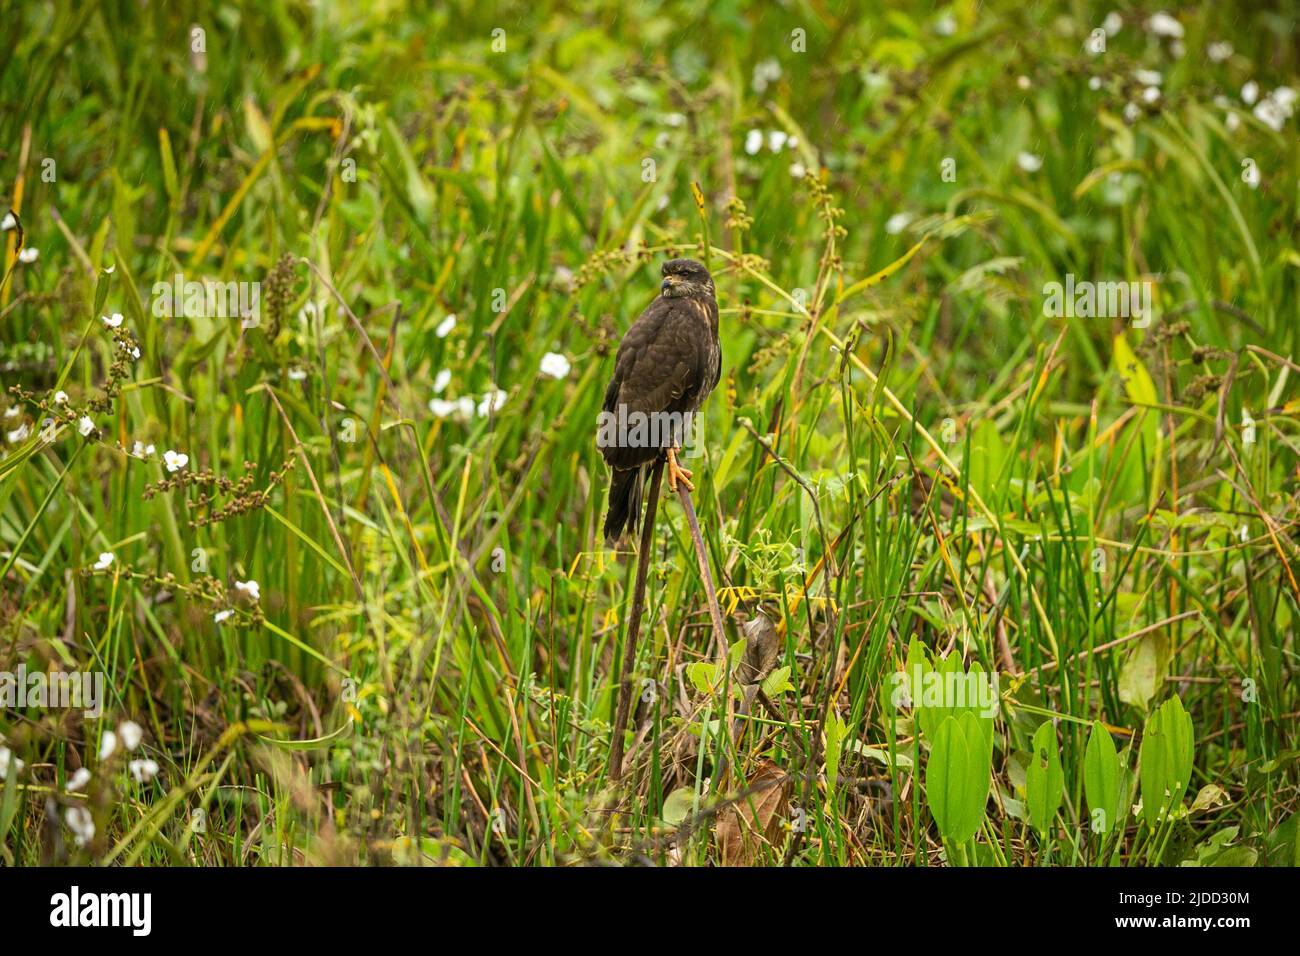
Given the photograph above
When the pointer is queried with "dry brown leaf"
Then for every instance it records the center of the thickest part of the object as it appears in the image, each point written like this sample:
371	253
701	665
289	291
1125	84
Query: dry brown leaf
754	820
762	645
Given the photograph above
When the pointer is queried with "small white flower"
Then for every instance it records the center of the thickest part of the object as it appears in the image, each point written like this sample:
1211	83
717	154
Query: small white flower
1285	97
141	450
80	777
1176	49
1023	82
776	139
81	824
250	587
491	402
112	321
129	733
143	770
1094	83
798	170
445	326
766	72
1151	94
8	222
460	409
105	559
175	460
441	408
1250	176
85	426
1218	52
6	756
18	434
109	270
753	141
297	374
563	278
1268	112
792	142
1250	92
1232	121
898	222
135	352
441	380
1096	43
1163	25
107	745
1112	23
674	119
28	254
1148	77
555	365
11	411
1132	112
1029	162
222	615
60	397
946	25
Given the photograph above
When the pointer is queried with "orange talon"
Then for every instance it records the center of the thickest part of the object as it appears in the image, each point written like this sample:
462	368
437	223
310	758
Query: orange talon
677	473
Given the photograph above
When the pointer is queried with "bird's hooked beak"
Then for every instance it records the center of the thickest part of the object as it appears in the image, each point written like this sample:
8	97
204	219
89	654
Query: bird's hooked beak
669	282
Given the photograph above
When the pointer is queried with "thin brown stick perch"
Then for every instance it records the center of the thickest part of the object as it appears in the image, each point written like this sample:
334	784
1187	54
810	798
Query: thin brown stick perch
715	612
719	633
638	609
634	628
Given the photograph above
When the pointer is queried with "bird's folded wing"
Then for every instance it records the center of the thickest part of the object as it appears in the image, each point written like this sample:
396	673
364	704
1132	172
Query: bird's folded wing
660	363
659	368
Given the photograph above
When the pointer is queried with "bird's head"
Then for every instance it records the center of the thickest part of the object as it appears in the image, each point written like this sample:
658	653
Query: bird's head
686	277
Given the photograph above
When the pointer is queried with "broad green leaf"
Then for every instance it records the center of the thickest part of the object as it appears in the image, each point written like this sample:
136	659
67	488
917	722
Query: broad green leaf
1044	779
1179	738
736	653
704	676
1283	847
1166	759
1138	385
1210	795
957	777
978	769
833	739
1141	391
678	805
1151	771
777	682
1101	778
1145	670
1234	856
900	760
945	777
987	455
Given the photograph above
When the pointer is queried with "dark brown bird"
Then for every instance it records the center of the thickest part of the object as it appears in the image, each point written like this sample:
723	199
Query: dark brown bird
668	362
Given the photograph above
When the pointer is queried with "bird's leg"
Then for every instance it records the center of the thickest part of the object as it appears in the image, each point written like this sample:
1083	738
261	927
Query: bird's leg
677	473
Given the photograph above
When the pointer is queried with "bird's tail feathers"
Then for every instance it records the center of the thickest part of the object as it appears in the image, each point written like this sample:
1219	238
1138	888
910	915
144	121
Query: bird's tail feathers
624	504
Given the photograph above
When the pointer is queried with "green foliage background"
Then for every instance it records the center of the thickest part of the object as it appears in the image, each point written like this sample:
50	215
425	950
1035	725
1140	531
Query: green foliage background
1100	512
